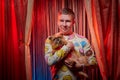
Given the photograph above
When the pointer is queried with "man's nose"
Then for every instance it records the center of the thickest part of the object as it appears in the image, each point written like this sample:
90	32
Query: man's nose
64	23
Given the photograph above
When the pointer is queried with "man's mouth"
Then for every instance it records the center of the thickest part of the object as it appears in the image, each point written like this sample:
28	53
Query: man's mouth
65	28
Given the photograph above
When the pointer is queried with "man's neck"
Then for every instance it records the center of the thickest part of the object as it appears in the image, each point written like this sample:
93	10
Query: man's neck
66	34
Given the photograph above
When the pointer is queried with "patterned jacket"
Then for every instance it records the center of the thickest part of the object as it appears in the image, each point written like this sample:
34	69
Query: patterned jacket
56	61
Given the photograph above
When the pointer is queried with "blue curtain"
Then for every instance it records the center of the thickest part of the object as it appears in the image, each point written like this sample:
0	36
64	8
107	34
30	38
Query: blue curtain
40	70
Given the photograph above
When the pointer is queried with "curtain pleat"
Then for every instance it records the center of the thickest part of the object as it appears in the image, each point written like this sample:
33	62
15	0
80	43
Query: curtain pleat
28	29
104	26
12	60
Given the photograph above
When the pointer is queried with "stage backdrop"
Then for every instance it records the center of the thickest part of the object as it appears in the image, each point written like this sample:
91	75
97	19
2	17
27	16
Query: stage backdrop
25	24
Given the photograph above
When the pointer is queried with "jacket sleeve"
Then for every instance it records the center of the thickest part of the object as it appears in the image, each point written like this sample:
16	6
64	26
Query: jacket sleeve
53	57
88	51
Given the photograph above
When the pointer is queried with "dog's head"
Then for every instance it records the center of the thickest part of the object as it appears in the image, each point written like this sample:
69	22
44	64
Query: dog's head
57	41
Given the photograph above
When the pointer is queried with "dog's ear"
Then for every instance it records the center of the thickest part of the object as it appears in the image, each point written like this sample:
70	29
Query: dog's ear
50	38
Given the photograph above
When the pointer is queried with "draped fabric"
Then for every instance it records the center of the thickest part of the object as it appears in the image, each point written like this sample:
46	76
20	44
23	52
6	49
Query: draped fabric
105	32
40	70
28	28
45	24
25	24
12	31
97	39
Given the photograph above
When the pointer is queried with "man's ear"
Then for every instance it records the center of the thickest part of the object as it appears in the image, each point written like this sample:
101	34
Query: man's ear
74	21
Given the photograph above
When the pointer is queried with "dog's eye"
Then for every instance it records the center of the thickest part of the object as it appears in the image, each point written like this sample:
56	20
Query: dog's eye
54	39
58	39
60	42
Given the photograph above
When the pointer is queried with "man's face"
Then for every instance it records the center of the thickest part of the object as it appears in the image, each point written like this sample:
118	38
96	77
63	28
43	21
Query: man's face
65	23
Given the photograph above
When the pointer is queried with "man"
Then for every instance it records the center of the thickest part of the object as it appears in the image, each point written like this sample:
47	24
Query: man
63	68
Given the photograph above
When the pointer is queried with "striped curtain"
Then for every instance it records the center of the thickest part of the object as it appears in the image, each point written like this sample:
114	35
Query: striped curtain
45	24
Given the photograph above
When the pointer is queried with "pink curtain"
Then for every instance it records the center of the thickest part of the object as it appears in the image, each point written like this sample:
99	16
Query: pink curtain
104	23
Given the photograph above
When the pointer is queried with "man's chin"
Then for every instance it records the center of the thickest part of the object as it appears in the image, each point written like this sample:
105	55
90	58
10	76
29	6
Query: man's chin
64	32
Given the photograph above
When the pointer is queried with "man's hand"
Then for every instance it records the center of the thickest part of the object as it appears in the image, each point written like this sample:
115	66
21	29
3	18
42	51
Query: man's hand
82	60
70	45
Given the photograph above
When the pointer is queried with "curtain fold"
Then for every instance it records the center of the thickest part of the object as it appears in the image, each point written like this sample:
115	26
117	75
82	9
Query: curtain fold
40	69
28	29
96	40
12	60
102	18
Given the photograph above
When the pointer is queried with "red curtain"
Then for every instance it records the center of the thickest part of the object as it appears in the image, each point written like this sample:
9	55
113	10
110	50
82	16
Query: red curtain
105	30
98	20
106	22
12	23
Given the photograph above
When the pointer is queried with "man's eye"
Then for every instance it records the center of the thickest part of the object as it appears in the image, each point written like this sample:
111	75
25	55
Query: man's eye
68	21
65	20
61	20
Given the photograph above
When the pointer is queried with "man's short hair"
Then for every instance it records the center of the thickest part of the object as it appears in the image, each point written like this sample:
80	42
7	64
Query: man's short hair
67	11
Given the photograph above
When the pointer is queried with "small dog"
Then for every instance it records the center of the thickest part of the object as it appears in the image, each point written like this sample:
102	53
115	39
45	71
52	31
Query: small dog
57	42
